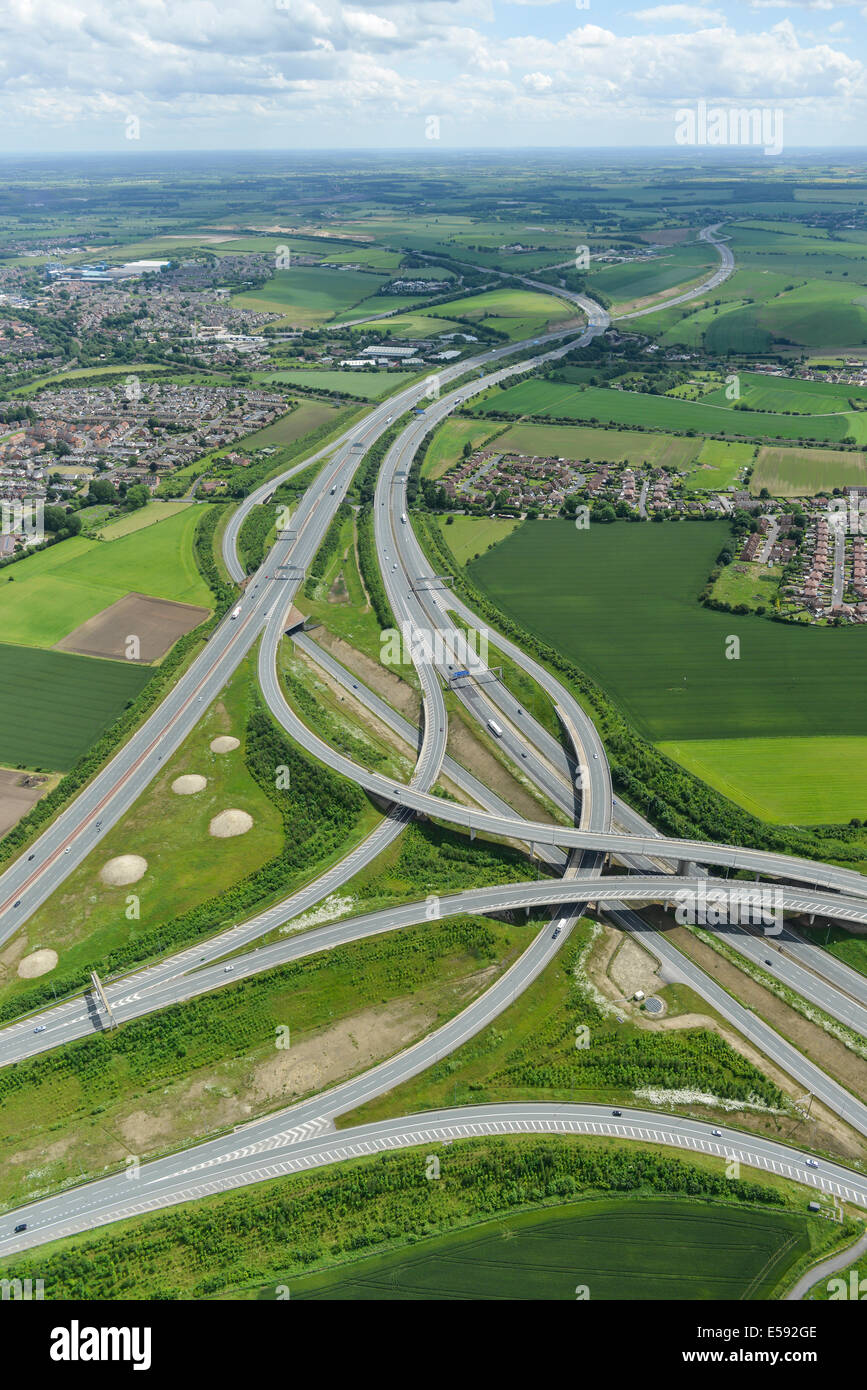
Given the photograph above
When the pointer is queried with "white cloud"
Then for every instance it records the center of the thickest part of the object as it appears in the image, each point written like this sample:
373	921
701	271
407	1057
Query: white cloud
370	25
338	71
695	15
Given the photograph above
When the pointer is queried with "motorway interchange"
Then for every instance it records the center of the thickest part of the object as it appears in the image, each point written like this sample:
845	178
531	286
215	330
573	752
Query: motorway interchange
657	868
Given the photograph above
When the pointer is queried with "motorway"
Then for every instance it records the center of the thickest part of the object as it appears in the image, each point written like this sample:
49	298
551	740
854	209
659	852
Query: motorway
264	608
249	1156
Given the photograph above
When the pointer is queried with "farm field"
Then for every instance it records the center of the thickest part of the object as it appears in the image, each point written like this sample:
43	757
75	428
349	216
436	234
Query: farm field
789	781
610	406
411	325
620	1249
782	393
54	706
468	536
631	281
621	601
448	442
307	295
519	313
789	472
55	590
371	385
307	416
588	442
719	465
148	515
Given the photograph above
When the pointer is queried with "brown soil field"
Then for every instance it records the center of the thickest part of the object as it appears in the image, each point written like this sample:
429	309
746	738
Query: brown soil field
156	622
16	799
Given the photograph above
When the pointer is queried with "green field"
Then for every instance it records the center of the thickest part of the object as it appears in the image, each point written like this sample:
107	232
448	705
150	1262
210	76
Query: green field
518	313
616	1249
468	536
307	416
447	445
55	705
720	465
307	295
607	405
148	515
677	265
580	442
790	781
46	596
804	472
621	601
372	385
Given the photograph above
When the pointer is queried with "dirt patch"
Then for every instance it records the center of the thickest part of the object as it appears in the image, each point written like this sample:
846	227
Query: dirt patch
224	744
338	593
331	1055
37	963
19	791
11	955
126	868
156	622
229	823
399	694
189	784
632	969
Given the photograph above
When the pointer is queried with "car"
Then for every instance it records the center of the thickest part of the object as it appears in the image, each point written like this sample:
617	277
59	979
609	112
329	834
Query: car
227	968
811	1163
617	1112
17	903
22	1226
717	1133
40	1028
523	755
768	960
30	856
68	848
555	933
596	755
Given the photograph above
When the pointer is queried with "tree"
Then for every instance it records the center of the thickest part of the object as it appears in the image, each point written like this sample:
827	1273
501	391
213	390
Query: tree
137	496
101	490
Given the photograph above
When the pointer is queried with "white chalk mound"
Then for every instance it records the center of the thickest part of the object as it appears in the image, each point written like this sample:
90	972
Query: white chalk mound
126	868
189	784
37	963
229	823
224	744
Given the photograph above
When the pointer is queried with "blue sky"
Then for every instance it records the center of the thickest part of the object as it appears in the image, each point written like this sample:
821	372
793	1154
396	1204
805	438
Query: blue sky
274	74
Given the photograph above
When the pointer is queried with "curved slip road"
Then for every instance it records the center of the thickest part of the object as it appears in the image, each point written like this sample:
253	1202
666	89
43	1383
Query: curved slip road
246	1157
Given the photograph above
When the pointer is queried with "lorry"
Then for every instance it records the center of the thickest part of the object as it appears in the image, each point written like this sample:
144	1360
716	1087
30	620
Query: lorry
495	728
236	612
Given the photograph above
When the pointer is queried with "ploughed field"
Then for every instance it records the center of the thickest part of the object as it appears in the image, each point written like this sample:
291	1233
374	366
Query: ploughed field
613	1249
